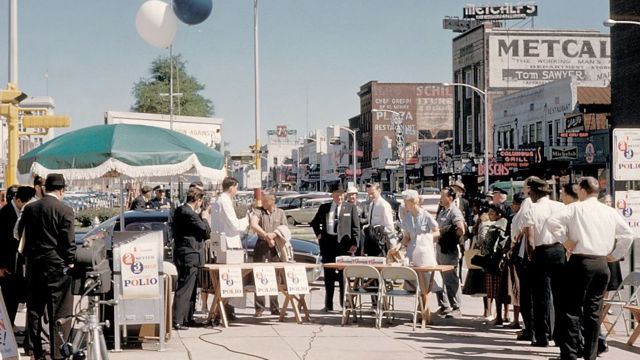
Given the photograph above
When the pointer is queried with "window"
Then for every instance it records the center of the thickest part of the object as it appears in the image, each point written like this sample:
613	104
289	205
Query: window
468	79
525	138
539	131
550	133
511	138
469	129
557	132
505	113
499	138
532	133
531	107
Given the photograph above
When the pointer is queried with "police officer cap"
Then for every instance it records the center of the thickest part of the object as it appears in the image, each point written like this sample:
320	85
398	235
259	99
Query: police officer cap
158	188
54	180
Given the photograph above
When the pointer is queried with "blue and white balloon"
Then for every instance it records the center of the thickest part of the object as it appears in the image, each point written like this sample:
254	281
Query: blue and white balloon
192	12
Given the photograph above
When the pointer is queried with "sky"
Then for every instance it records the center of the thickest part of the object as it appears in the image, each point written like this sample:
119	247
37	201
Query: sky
314	54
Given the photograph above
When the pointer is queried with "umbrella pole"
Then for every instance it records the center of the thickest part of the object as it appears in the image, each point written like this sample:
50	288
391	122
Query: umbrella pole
121	204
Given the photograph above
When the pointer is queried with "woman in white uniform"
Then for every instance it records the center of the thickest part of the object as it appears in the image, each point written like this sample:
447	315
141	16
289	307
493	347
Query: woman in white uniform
419	229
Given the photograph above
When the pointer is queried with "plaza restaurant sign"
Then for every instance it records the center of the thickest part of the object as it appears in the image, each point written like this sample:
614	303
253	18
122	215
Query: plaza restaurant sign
522	58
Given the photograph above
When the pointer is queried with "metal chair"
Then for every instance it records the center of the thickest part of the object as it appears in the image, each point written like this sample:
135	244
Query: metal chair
631	281
357	282
392	275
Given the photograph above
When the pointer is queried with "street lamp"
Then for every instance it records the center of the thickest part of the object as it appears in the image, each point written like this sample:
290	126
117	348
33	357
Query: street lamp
257	192
482	94
611	22
353	132
398	120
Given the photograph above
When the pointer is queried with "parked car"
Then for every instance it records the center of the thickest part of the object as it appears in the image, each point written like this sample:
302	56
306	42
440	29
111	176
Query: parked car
305	213
511	187
304	251
296	201
430	203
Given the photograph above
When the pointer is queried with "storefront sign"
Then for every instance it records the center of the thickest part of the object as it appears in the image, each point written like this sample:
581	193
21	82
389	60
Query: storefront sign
574	122
626	154
519	158
500	12
296	277
589	153
230	279
265	280
579	134
564	153
628	205
494	170
139	263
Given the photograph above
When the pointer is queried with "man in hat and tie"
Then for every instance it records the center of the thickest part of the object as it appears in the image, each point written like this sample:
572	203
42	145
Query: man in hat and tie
48	225
337	228
160	201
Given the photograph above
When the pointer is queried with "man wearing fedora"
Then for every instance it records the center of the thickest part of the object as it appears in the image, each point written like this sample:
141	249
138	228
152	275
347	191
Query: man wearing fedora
142	202
337	228
48	226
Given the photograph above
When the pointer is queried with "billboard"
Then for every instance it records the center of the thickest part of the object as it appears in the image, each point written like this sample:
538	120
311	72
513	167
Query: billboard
500	12
206	130
526	58
424	111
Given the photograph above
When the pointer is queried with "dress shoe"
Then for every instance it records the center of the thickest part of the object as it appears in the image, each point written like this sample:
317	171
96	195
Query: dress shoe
443	311
525	337
326	310
454	314
179	327
540	344
513	325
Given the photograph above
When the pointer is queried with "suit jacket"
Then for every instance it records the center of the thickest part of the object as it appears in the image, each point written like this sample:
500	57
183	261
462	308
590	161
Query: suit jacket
190	232
48	225
8	244
348	231
139	203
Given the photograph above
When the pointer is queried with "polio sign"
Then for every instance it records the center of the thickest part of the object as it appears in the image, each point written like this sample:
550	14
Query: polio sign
626	154
139	263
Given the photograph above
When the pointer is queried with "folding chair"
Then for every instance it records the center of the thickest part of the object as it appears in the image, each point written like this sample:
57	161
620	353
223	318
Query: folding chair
392	275
631	281
357	279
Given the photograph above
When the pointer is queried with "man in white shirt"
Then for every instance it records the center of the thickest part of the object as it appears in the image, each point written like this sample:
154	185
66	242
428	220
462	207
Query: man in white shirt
224	219
380	214
548	261
596	234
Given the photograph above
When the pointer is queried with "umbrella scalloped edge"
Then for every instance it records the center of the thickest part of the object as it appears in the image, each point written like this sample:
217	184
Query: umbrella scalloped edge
113	168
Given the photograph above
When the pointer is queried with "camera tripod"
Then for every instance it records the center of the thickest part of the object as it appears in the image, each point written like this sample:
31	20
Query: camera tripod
87	341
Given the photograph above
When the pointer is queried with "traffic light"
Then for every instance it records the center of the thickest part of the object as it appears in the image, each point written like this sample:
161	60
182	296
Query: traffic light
9	109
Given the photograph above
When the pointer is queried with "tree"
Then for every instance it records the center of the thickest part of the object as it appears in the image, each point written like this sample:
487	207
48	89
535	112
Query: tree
147	90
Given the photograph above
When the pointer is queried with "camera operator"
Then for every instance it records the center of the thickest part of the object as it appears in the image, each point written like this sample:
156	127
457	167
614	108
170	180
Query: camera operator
50	248
190	232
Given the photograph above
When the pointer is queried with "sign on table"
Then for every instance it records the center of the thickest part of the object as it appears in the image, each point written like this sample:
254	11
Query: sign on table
296	277
230	282
265	280
8	345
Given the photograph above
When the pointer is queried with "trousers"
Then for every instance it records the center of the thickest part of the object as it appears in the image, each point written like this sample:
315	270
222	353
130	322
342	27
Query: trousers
587	277
450	296
184	300
548	298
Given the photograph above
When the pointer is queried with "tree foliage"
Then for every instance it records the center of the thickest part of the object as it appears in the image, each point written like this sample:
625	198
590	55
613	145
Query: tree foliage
147	90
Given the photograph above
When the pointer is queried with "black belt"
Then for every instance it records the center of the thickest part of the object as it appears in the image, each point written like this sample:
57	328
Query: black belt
591	257
547	246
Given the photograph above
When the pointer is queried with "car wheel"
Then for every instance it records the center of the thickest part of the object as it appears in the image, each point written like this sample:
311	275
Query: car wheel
291	221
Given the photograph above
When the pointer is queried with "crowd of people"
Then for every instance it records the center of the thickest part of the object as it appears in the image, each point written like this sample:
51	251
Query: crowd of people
551	261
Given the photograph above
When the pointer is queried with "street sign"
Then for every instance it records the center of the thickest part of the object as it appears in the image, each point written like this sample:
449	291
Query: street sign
564	153
626	154
253	179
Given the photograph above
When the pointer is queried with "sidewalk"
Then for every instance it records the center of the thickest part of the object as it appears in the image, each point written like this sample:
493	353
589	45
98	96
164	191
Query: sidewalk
325	338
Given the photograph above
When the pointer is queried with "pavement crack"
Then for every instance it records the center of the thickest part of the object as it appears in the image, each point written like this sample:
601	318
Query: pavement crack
314	334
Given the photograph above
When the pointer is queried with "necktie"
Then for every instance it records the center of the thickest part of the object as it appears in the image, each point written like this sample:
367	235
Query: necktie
335	220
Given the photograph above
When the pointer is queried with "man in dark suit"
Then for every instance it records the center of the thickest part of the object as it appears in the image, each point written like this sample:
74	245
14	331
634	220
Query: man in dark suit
190	231
160	201
142	202
337	228
11	272
48	225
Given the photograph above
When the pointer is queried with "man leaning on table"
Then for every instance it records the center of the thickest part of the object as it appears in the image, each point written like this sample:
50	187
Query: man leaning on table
337	228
